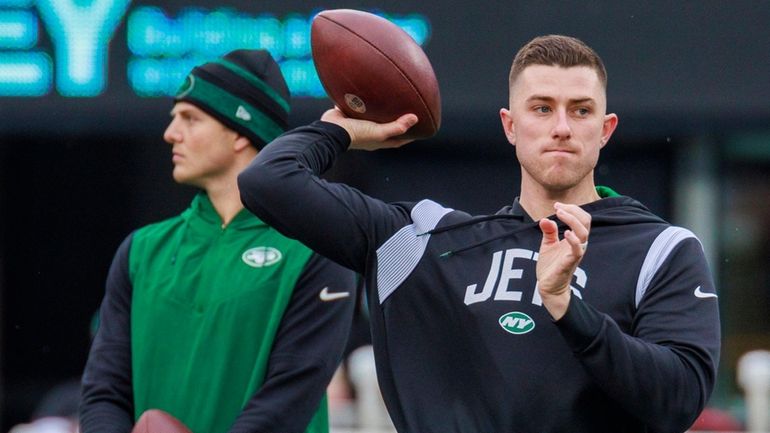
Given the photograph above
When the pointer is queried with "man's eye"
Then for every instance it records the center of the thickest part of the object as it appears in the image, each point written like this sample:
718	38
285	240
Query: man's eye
543	109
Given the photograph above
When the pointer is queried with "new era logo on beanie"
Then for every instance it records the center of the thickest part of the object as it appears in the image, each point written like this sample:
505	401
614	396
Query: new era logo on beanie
241	113
244	90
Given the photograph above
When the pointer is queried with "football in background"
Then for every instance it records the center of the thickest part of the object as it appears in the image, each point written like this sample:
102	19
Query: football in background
373	70
158	421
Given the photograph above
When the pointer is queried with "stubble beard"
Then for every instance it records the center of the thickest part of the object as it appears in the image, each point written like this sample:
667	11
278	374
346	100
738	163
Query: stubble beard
557	178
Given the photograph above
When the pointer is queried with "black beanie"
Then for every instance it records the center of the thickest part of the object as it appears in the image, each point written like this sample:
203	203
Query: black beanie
244	90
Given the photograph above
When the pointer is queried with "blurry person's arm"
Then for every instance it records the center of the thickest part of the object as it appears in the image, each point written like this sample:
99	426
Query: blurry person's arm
106	404
308	348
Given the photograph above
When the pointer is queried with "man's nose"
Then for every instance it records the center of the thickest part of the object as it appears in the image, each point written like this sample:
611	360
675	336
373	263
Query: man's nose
172	135
562	128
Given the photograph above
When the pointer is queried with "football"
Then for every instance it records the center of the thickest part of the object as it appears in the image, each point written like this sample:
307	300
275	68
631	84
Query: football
373	70
158	421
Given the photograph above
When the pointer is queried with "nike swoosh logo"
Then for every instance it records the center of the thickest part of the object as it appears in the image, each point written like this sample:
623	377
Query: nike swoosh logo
702	295
327	296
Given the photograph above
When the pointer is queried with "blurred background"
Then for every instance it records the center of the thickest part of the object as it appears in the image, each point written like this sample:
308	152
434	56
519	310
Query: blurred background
84	101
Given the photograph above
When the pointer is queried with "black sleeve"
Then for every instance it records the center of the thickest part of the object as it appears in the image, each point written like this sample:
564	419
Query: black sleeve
307	350
107	402
282	186
664	373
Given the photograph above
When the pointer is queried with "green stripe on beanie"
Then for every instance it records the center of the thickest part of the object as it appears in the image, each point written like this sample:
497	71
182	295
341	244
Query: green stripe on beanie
233	111
255	81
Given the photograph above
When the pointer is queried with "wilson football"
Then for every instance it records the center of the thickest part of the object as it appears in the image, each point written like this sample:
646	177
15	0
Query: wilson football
373	70
158	421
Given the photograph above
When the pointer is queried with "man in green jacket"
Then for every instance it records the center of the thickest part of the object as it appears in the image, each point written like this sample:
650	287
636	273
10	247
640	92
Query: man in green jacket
212	315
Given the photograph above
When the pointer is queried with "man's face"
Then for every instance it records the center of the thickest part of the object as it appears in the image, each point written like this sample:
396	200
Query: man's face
558	124
202	148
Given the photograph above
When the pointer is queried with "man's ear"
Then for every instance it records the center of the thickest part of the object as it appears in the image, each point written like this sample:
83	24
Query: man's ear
241	142
610	123
507	121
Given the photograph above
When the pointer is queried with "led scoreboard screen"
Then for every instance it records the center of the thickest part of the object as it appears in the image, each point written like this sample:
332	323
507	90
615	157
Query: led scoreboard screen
76	63
163	47
93	66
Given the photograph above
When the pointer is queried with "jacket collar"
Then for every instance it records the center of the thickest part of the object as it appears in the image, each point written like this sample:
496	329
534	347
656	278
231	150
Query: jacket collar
202	213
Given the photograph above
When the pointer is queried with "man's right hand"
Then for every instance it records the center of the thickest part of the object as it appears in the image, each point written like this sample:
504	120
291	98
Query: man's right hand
367	135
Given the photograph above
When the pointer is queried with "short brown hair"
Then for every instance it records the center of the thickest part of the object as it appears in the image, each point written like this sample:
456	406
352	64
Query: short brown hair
557	50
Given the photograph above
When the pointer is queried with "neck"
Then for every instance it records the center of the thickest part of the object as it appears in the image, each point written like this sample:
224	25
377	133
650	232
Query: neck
539	201
223	190
226	200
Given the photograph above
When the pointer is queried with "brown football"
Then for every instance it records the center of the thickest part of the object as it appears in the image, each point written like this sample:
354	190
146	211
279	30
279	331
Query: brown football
373	70
158	421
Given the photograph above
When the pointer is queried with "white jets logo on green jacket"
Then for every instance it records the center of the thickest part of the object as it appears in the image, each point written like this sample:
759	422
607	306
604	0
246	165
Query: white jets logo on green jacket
259	257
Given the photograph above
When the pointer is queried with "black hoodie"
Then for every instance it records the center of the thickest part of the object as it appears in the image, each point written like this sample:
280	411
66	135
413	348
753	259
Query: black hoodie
461	340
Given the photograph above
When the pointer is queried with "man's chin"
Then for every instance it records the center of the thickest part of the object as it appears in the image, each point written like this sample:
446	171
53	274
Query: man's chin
181	178
188	181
